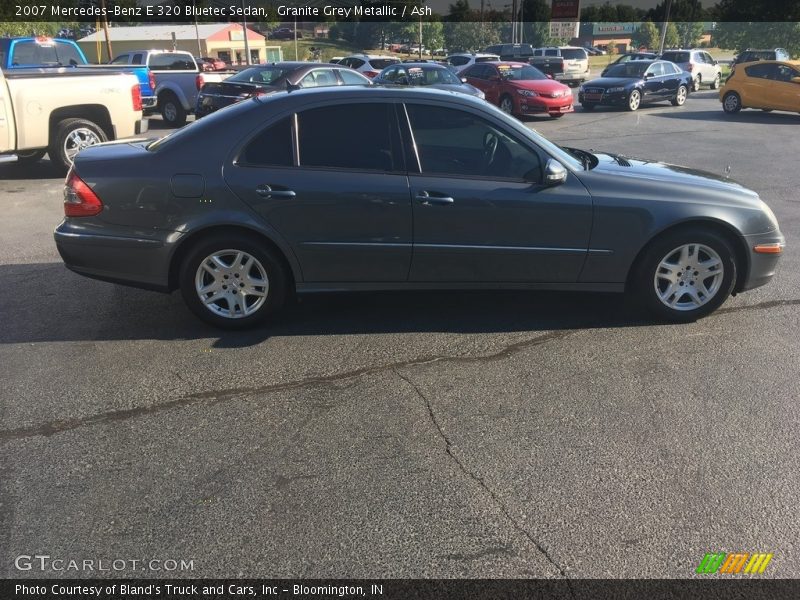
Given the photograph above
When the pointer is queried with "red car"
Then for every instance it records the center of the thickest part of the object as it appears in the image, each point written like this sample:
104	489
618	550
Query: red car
520	89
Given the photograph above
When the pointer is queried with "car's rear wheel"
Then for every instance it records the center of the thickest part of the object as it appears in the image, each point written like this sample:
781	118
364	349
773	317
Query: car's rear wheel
696	83
634	100
72	136
172	110
680	96
715	83
507	105
232	282
731	103
686	275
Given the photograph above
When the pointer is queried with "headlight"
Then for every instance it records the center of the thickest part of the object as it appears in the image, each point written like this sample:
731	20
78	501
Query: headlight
527	93
615	90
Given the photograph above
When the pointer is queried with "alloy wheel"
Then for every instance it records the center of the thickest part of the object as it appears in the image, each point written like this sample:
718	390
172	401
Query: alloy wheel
79	139
634	100
231	283
688	277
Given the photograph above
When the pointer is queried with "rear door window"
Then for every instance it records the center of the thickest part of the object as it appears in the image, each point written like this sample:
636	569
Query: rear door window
352	78
270	148
359	136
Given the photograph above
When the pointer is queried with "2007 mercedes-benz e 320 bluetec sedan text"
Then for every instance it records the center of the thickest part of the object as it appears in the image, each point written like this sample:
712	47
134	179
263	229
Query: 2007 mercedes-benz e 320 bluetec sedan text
367	189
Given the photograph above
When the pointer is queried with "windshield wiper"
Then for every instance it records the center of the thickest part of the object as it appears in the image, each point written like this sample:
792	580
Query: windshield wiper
584	156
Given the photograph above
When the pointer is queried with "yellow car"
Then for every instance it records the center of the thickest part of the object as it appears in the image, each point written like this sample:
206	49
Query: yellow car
764	84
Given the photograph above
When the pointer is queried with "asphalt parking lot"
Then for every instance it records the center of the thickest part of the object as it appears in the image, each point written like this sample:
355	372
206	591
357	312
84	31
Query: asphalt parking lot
408	435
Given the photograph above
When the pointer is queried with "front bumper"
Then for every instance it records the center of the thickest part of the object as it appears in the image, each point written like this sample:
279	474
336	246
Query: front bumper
533	105
135	258
605	99
761	267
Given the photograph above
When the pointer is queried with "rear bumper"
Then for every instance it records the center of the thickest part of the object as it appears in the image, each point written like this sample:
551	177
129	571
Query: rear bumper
122	258
149	102
762	266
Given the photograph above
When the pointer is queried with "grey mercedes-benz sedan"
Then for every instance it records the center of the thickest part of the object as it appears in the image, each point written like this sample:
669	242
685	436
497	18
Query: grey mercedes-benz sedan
393	189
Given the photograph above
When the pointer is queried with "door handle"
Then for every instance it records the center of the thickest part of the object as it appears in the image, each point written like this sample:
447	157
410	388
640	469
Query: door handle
431	198
267	191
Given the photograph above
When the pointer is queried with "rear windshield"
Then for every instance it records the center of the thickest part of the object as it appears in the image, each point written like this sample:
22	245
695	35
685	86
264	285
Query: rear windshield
432	76
628	69
259	75
45	53
676	57
573	54
382	63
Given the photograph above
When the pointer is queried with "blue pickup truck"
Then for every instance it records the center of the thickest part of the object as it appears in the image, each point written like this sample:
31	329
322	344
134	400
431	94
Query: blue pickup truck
42	52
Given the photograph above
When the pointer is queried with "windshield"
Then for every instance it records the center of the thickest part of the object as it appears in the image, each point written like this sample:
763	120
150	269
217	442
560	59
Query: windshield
423	76
259	75
520	72
628	69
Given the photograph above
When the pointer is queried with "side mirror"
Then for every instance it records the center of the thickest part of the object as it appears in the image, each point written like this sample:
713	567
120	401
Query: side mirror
648	75
463	80
795	79
549	76
554	173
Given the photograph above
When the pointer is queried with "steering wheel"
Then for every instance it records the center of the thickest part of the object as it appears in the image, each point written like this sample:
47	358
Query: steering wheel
490	143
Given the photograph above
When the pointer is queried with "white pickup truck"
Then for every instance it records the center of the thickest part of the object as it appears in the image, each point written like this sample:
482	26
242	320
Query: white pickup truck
61	111
177	78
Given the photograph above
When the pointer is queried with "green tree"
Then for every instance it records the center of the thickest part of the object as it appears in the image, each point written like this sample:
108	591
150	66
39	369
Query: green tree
471	36
738	36
646	35
689	33
672	38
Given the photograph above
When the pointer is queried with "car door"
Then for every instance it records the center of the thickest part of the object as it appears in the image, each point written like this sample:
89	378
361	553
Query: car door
758	89
787	92
672	79
7	141
342	200
654	83
477	75
481	212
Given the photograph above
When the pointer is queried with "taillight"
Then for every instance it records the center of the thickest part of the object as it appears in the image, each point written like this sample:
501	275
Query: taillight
371	74
136	96
151	79
199	81
79	199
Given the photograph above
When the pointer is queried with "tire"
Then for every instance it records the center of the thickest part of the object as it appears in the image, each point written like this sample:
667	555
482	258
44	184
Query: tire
507	105
72	135
588	105
30	157
680	96
670	291
715	83
731	103
171	110
634	100
230	308
696	83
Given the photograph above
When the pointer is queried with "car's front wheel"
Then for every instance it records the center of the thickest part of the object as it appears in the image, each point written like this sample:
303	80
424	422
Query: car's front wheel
232	282
634	100
686	275
680	96
507	105
731	103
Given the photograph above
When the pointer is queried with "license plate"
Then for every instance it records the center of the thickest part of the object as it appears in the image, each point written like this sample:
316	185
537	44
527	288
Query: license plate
593	96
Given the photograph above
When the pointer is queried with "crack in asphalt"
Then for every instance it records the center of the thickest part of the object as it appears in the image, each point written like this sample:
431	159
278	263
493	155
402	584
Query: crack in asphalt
448	444
211	397
217	396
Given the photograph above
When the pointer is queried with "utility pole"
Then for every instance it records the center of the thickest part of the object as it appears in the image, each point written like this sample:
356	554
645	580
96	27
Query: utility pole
197	30
246	41
105	30
664	27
